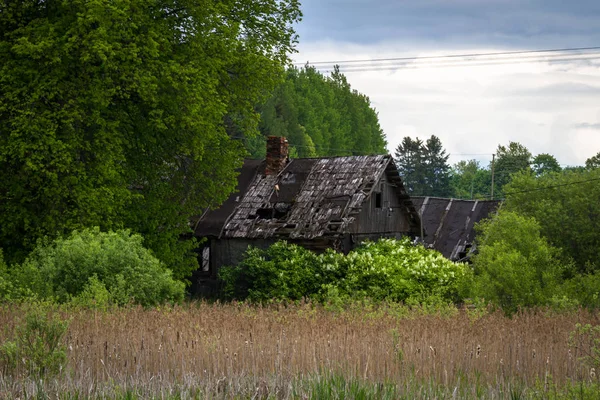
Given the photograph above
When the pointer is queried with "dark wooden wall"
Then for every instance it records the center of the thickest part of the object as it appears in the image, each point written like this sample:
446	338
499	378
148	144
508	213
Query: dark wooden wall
390	218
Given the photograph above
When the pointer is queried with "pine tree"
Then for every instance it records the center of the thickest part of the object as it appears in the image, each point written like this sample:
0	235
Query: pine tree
437	168
424	167
410	160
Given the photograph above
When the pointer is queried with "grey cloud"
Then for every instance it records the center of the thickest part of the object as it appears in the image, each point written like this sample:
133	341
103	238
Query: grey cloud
467	22
587	125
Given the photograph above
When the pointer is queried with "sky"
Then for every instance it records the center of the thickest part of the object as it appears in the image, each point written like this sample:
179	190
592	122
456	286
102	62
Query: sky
472	106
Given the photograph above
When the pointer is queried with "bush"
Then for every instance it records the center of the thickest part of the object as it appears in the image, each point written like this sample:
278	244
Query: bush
283	271
400	271
585	339
384	270
515	267
92	266
37	348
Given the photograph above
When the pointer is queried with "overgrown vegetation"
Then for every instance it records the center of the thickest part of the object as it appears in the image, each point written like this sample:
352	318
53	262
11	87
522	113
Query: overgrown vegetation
37	348
516	267
120	114
92	268
392	270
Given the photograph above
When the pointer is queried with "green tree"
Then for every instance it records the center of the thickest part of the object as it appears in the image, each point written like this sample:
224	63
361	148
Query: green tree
410	160
117	113
424	166
115	262
320	116
438	170
515	266
593	162
469	180
567	209
509	160
545	163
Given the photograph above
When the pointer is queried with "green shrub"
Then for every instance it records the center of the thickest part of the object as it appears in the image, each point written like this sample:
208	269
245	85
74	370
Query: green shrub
586	340
384	270
400	271
37	348
583	289
283	271
80	265
516	267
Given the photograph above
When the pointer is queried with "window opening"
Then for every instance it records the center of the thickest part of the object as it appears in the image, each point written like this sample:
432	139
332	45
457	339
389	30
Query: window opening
206	259
378	200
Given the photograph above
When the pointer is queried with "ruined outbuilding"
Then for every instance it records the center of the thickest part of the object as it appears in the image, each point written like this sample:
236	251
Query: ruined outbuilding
319	203
449	224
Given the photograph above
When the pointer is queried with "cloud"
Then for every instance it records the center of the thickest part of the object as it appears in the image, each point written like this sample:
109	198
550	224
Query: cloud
473	109
587	125
459	22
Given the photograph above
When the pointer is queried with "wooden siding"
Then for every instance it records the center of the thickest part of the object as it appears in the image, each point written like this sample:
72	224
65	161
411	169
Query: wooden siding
389	218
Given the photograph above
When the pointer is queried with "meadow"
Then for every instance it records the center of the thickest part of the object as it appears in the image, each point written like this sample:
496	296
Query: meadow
303	350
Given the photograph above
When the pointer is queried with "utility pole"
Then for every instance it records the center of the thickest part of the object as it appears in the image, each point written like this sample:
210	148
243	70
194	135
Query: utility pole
472	183
493	159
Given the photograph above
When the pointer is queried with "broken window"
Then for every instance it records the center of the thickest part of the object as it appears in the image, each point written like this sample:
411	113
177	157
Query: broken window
206	259
378	200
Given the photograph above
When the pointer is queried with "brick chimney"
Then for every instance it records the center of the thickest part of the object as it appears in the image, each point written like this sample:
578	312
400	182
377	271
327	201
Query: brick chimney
277	154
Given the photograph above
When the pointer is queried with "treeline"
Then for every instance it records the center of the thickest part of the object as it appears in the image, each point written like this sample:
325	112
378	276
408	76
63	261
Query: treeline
426	171
543	246
120	116
320	116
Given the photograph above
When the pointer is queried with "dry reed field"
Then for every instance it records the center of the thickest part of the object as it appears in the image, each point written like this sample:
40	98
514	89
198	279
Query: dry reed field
245	351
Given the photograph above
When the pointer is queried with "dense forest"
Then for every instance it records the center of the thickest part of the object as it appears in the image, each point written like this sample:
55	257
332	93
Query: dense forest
119	114
320	115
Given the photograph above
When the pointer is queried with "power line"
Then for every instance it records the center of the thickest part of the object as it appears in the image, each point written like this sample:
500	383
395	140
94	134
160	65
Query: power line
464	63
550	187
415	58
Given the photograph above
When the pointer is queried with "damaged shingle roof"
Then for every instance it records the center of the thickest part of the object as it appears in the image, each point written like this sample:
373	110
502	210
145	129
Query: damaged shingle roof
309	198
449	223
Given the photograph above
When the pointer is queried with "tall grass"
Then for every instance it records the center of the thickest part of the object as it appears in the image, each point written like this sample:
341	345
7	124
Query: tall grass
239	350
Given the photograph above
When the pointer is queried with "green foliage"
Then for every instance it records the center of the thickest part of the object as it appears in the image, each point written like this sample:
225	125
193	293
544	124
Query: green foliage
399	271
320	116
567	209
593	162
586	340
468	180
119	113
544	164
509	160
385	270
583	290
424	167
37	349
101	267
515	267
283	271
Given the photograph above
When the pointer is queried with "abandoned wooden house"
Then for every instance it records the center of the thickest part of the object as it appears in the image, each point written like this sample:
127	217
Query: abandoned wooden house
449	224
319	203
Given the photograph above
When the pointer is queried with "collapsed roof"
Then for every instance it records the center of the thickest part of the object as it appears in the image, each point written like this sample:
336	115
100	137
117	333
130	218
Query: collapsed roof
448	224
306	199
